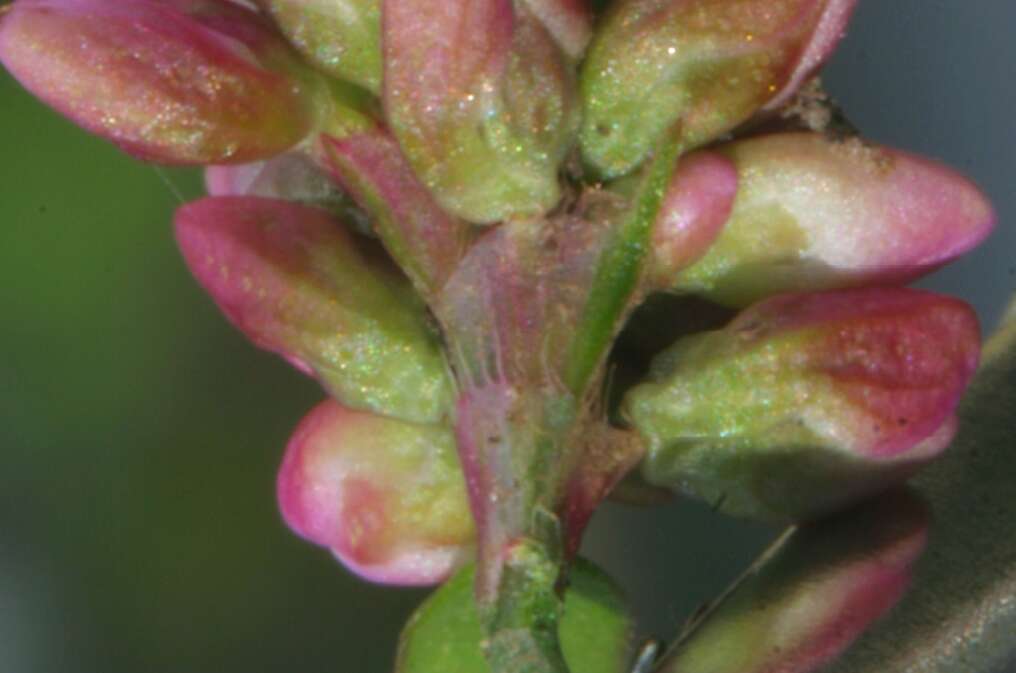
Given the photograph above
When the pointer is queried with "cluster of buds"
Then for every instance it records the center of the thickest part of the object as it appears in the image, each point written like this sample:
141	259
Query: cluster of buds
447	212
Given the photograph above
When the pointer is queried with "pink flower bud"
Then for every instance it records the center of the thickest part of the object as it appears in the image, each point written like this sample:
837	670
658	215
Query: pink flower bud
480	98
296	283
814	593
807	402
386	496
172	81
815	213
695	207
340	37
696	69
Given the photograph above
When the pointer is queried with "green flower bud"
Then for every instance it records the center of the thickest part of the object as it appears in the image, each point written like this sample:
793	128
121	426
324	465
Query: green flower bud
806	403
694	68
480	97
296	283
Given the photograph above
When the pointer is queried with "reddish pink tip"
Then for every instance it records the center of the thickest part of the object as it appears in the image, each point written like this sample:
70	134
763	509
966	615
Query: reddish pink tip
695	207
385	496
902	357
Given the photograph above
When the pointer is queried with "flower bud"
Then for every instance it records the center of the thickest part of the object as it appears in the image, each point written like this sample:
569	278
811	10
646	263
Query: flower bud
340	37
444	634
695	207
296	283
480	98
172	81
805	403
813	594
696	69
814	213
386	496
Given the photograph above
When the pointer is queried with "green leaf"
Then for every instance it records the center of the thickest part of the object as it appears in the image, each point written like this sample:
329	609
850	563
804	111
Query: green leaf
444	634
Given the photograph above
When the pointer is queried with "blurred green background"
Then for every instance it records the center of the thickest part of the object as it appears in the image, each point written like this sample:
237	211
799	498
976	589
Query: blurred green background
139	433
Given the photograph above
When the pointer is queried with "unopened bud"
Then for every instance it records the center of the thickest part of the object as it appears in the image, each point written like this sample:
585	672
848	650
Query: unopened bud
481	99
814	213
805	403
387	497
293	280
694	69
172	81
815	593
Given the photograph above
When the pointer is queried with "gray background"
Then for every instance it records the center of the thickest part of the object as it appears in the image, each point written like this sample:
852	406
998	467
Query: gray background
139	435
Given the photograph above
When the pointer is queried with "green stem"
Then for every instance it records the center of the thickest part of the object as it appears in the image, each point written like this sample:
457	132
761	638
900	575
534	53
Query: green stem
523	622
618	273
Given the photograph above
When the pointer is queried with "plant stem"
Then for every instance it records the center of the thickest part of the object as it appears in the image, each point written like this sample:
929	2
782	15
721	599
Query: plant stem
618	273
523	621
